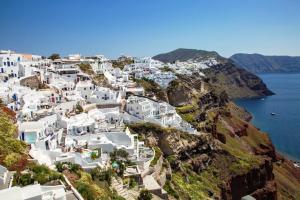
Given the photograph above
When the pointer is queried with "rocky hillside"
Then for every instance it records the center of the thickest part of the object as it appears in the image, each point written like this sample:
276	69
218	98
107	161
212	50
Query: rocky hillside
224	75
257	63
229	158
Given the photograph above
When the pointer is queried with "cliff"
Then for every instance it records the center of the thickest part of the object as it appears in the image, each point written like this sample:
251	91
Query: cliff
236	82
257	63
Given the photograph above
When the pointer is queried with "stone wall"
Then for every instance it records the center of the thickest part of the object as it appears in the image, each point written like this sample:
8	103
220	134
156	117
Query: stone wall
33	82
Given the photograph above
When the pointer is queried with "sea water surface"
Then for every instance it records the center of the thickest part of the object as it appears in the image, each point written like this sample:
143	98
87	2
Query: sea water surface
284	127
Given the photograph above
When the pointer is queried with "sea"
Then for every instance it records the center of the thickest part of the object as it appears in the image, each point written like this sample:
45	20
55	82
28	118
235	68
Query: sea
283	126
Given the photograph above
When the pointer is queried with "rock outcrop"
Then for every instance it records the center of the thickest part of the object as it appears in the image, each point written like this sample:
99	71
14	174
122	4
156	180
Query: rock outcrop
258	182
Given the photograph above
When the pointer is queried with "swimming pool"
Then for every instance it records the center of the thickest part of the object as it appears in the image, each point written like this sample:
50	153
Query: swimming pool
30	137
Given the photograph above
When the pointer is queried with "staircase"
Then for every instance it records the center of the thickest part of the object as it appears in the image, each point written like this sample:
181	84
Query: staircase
117	184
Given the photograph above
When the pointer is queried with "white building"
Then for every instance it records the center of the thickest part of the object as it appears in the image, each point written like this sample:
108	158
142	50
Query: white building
160	113
102	95
32	132
80	124
37	100
85	88
9	64
34	192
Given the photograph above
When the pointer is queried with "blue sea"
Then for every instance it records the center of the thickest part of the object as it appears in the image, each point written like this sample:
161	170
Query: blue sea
284	127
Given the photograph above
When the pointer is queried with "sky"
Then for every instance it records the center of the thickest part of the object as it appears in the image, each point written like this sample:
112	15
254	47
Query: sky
150	27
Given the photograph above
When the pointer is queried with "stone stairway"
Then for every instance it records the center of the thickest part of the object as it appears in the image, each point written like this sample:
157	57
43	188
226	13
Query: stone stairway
117	184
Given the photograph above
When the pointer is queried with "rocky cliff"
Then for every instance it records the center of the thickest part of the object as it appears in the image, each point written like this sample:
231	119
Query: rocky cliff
257	63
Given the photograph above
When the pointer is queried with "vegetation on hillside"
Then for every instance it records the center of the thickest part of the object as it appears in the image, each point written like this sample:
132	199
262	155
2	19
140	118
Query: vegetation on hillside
91	186
13	152
152	88
145	195
157	155
86	68
36	172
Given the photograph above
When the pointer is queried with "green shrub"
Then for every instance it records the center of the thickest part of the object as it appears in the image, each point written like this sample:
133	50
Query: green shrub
102	175
185	109
132	183
42	174
94	156
23	179
119	154
170	190
145	195
85	190
157	155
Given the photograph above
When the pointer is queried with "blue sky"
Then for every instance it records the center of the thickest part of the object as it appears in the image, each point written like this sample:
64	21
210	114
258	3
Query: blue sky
149	27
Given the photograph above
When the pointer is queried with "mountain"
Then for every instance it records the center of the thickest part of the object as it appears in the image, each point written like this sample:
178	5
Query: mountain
257	63
182	54
223	74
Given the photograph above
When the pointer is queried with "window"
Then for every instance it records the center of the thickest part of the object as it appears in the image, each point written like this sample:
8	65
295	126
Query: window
84	88
4	63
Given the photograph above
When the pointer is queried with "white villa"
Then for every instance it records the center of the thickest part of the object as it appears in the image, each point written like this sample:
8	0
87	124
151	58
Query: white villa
103	96
107	142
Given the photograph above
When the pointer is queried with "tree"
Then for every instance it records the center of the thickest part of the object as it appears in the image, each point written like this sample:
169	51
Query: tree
54	56
94	155
145	195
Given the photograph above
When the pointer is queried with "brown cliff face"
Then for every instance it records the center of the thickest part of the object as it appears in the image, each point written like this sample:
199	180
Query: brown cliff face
274	178
258	181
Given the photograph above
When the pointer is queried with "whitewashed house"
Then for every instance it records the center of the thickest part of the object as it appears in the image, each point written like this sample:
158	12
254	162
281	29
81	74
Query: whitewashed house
9	63
102	95
85	89
80	124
